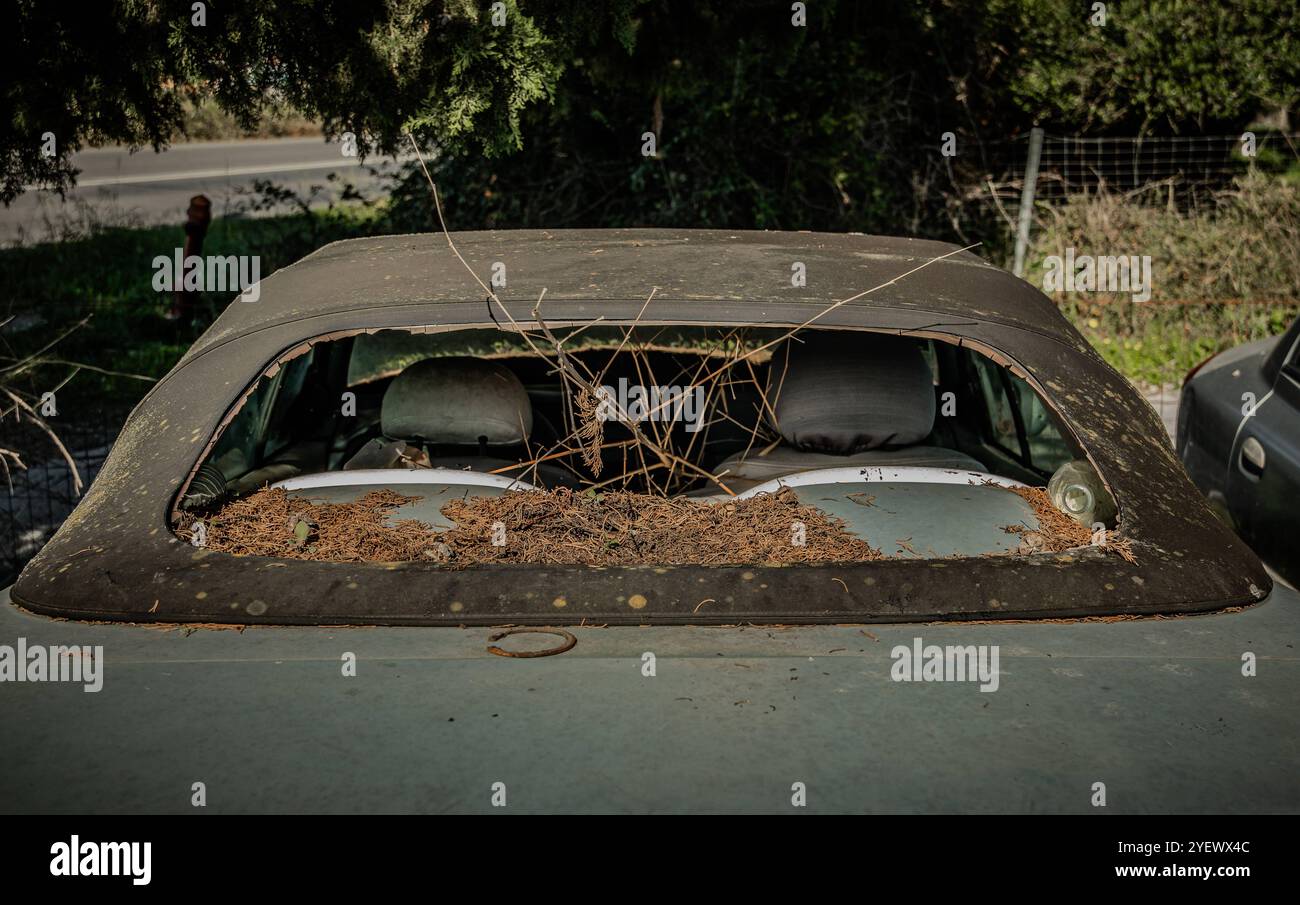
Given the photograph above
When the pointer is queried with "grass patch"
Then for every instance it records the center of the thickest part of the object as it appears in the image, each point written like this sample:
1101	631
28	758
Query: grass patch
204	120
108	275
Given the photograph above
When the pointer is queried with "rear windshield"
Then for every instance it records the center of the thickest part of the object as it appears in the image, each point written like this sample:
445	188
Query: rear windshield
646	446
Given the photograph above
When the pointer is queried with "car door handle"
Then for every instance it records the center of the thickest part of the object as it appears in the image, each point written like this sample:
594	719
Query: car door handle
1251	459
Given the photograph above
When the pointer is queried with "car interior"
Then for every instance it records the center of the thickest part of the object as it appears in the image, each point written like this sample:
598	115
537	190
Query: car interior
482	401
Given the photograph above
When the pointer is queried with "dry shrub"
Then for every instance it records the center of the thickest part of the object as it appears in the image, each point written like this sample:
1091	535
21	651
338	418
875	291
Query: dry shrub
1242	246
1223	274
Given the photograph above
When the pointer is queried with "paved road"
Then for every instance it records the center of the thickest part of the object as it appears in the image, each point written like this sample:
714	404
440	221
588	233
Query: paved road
151	188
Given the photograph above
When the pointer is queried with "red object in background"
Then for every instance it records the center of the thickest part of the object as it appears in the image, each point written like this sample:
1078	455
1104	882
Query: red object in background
1192	372
199	214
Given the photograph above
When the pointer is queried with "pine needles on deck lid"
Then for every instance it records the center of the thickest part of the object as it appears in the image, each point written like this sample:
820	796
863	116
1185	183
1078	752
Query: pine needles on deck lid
540	527
620	528
566	527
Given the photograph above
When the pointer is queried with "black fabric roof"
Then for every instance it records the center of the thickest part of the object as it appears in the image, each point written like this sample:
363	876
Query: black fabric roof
620	265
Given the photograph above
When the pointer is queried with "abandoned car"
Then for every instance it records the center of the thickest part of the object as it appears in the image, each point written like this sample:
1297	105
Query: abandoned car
736	473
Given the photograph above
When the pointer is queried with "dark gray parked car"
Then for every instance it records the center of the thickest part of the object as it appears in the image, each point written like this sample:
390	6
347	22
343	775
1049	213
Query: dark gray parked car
1239	436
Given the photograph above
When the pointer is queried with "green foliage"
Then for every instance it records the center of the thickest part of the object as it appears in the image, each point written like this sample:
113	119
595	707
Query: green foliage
836	126
1156	65
762	123
757	124
85	73
123	71
1220	278
206	121
789	128
474	90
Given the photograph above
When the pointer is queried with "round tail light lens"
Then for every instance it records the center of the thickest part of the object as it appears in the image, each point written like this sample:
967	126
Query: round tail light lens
1076	489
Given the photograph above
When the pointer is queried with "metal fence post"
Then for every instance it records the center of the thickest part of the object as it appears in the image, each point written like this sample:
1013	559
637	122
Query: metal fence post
1027	199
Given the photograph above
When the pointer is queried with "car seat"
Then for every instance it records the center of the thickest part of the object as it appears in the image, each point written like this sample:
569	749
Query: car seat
843	399
455	413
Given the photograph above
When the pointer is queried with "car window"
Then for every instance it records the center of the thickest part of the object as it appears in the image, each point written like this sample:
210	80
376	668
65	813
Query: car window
259	429
830	400
1018	420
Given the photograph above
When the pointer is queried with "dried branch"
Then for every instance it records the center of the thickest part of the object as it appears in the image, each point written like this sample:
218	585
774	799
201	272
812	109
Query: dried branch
36	419
586	404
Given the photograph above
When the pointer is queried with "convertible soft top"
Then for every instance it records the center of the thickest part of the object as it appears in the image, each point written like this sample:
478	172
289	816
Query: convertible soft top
116	558
600	266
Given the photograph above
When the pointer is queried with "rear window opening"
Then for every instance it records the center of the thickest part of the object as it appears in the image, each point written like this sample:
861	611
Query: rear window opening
655	445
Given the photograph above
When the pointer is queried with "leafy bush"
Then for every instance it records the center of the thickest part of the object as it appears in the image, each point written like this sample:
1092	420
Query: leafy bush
1220	277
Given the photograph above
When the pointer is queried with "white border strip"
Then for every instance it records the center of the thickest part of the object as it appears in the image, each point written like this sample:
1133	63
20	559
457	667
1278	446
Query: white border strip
368	477
877	474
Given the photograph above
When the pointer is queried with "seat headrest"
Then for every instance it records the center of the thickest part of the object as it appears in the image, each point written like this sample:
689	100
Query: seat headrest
457	401
845	392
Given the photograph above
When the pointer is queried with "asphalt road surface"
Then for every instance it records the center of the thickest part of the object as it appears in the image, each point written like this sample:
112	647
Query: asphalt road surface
148	188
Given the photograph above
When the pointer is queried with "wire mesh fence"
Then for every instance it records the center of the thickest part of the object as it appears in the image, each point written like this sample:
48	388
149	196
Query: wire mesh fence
1187	168
1184	170
1183	173
36	500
